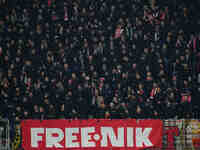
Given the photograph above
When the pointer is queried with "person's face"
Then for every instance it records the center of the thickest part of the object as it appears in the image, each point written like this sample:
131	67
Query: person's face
73	76
14	79
146	50
163	80
138	110
168	38
124	75
133	46
30	94
41	109
95	74
25	113
79	88
46	101
62	107
111	105
51	107
154	85
35	107
18	109
161	66
171	95
104	67
65	66
145	37
147	68
182	58
96	92
115	99
33	52
17	91
137	76
155	113
112	8
1	51
83	74
84	10
140	86
70	93
90	58
162	23
91	68
6	58
177	61
29	79
185	82
9	73
134	66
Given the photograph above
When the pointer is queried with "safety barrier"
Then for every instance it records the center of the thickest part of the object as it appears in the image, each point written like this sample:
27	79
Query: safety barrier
177	135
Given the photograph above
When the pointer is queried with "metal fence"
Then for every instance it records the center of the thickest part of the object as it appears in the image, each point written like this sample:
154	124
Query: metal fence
185	134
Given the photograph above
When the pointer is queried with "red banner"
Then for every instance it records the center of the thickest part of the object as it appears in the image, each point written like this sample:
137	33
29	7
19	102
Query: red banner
127	134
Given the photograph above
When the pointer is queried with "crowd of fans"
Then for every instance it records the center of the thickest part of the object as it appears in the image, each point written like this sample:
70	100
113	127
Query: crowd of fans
99	59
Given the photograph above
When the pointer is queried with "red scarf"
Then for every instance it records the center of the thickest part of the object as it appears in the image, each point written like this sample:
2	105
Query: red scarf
153	92
49	3
163	15
194	42
66	15
188	99
118	32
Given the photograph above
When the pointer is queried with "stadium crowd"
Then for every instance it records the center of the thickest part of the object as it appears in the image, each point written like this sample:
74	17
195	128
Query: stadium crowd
99	59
